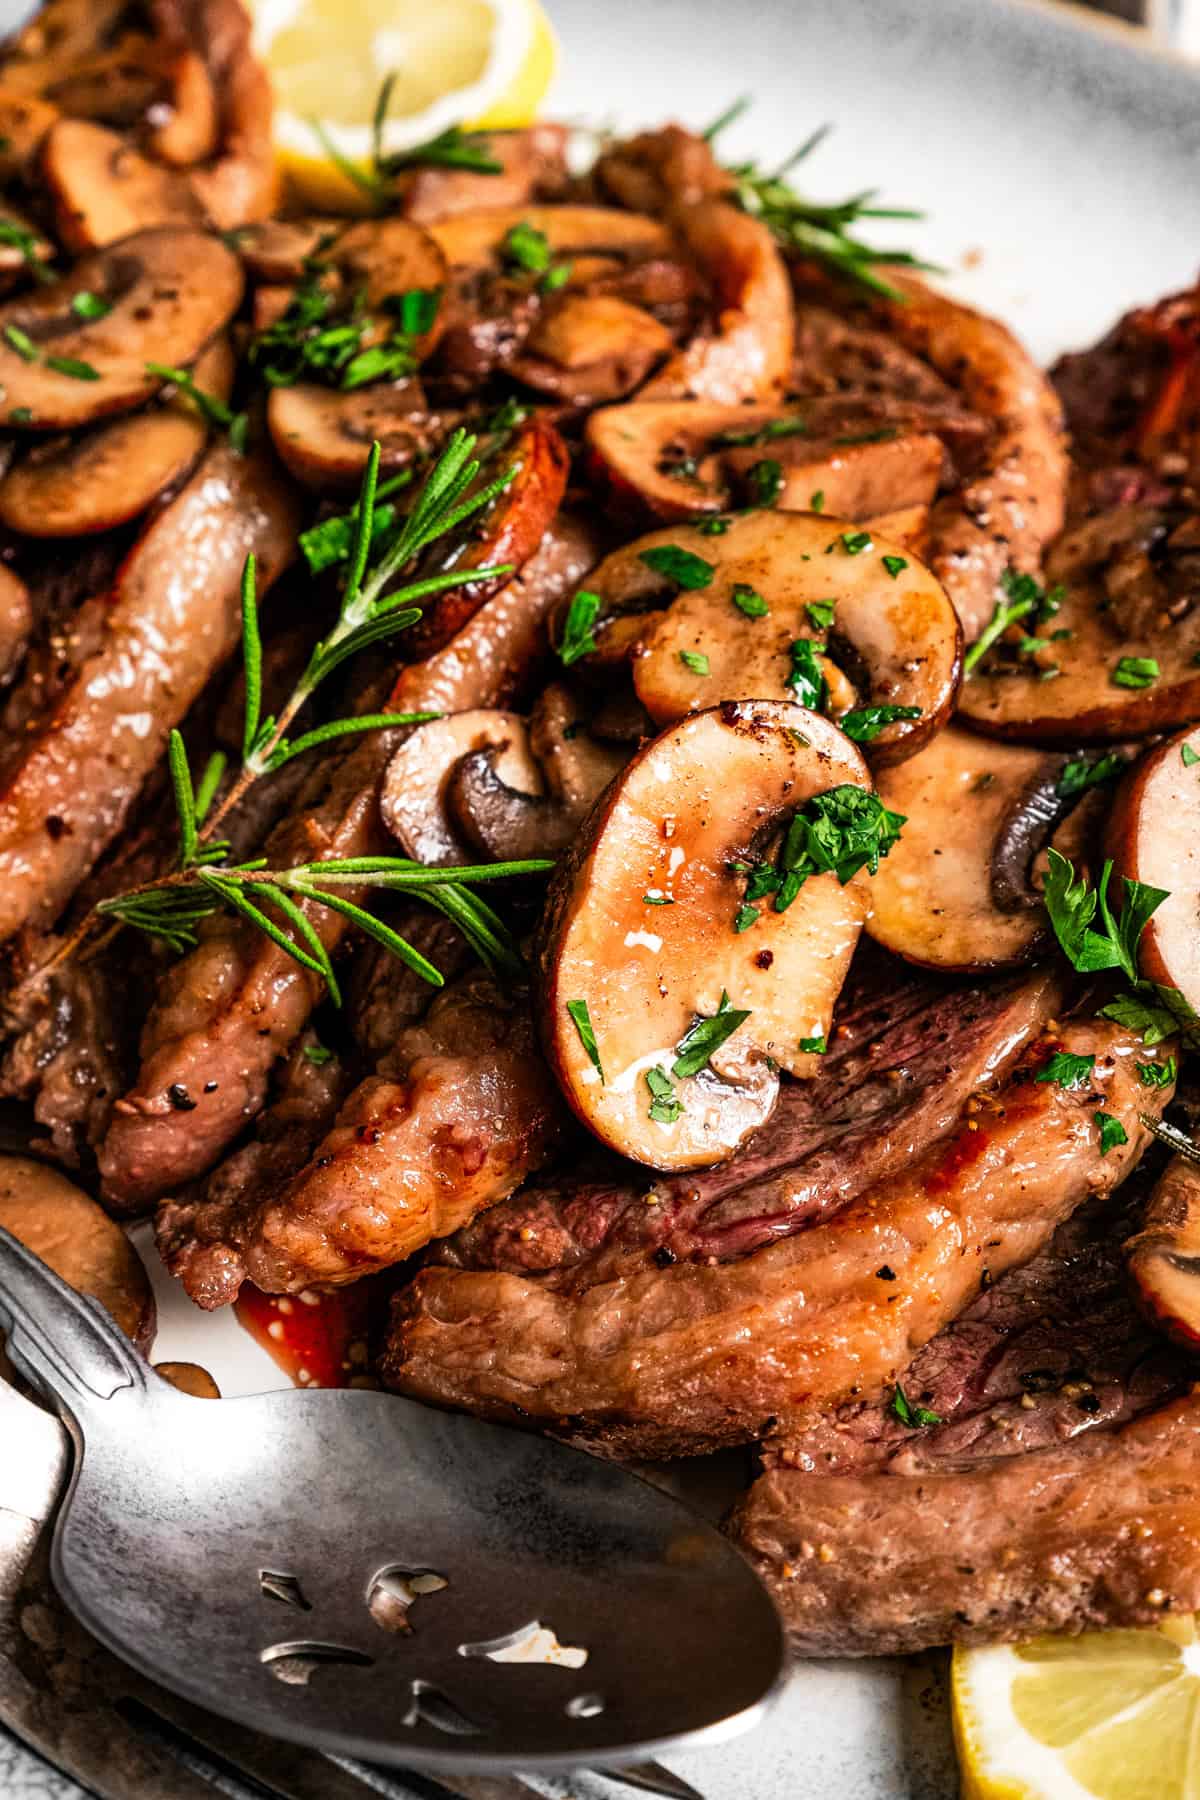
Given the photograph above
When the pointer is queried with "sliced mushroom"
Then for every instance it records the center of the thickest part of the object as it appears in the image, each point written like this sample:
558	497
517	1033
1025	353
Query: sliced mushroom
1153	836
324	436
61	1224
277	250
748	356
893	632
190	130
961	889
593	236
16	618
103	190
1164	1257
189	1378
591	348
169	292
75	486
639	944
414	800
24	122
503	820
676	459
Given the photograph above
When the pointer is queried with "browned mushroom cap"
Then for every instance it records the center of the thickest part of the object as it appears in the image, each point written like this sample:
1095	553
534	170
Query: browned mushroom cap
749	354
591	348
276	250
639	942
189	128
962	888
24	122
767	583
505	818
1153	836
593	236
324	436
381	258
58	1222
169	292
75	486
413	799
103	190
1164	1257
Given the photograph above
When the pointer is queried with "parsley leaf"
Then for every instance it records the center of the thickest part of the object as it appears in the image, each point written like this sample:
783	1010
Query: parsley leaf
1155	1012
805	679
1067	1070
838	832
86	305
1135	672
526	248
1112	1132
696	661
582	1021
665	1107
895	565
318	1055
1072	905
865	723
696	1046
1157	1074
816	500
820	614
1189	757
1084	772
681	566
1023	596
912	1415
764	482
577	639
855	542
814	1046
744	917
748	600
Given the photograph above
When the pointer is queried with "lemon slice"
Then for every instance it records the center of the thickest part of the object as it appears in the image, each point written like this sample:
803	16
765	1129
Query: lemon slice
1111	1715
453	62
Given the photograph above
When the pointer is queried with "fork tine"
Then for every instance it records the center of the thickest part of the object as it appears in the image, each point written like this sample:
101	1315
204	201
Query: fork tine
653	1778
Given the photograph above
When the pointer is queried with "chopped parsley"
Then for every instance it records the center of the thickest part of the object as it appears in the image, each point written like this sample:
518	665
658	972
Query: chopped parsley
1135	672
1023	598
913	1416
838	832
865	723
816	500
655	897
814	1046
582	1021
526	248
318	1055
793	426
1073	905
687	570
211	407
21	342
1112	1132
1189	756
749	601
1157	1074
895	565
820	614
855	542
1085	772
805	679
416	309
696	661
744	918
1067	1070
714	527
696	1046
665	1107
577	639
331	540
72	366
19	237
764	482
87	305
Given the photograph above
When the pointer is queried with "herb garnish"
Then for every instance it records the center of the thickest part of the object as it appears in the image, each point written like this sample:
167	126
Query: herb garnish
332	540
582	1021
211	407
655	897
804	677
19	237
696	1046
1188	756
838	832
1068	1070
577	639
1135	672
687	570
915	1416
1085	772
86	305
820	614
1023	598
865	723
1157	1074
895	565
792	426
696	661
748	600
452	148
814	1046
665	1107
855	542
1112	1132
318	1055
764	482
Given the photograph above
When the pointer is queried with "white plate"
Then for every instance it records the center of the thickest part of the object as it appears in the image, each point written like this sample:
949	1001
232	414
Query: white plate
1056	161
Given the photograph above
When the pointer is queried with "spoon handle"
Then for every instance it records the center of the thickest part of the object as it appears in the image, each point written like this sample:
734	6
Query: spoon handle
61	1341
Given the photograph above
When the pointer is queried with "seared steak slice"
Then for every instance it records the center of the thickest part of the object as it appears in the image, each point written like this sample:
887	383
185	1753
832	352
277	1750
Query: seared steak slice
661	1360
1060	1491
460	1113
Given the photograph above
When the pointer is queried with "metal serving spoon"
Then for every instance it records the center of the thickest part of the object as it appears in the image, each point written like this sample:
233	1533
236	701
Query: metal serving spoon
358	1572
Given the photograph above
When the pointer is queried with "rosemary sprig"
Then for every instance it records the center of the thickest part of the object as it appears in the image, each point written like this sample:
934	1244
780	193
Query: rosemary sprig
453	148
809	229
369	613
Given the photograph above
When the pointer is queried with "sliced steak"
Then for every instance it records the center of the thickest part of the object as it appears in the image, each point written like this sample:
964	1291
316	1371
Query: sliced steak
1060	1491
666	1358
235	1004
460	1113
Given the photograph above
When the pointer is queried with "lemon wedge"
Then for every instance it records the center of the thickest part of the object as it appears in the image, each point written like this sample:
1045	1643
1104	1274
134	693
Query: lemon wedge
453	62
1111	1715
